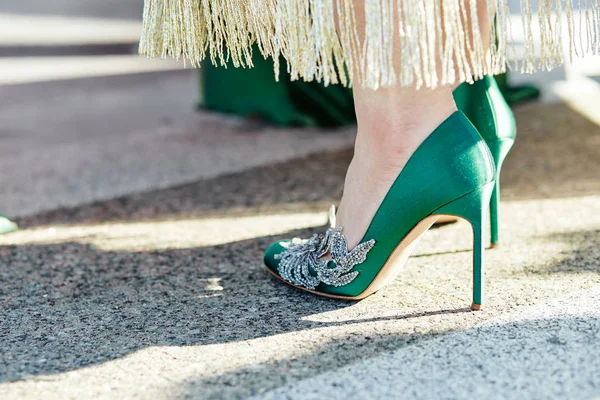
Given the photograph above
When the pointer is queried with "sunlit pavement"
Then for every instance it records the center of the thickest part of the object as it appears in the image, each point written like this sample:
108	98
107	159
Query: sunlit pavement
138	269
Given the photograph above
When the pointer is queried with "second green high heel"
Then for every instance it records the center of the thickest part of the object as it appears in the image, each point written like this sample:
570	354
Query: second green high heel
6	225
451	173
485	106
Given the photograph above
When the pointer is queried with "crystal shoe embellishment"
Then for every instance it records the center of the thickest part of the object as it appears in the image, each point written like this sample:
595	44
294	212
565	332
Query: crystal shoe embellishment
304	264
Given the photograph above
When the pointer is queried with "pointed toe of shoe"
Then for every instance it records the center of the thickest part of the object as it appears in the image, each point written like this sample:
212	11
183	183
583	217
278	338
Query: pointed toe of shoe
7	226
272	251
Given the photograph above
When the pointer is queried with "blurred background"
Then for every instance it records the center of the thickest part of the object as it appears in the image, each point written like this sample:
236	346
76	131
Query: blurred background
83	118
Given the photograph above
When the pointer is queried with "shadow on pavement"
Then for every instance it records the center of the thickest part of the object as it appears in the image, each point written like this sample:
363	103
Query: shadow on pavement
584	259
67	306
533	358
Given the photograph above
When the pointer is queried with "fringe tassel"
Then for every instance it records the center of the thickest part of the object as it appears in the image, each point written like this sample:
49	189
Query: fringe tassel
407	42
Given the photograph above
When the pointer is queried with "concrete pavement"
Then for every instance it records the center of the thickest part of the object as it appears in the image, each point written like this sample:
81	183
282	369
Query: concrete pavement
138	271
547	351
94	139
161	294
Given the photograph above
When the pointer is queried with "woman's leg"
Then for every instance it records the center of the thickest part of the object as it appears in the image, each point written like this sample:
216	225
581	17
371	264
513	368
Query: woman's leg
392	123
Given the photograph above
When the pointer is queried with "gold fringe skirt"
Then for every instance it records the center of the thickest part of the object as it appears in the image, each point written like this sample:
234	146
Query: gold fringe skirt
439	40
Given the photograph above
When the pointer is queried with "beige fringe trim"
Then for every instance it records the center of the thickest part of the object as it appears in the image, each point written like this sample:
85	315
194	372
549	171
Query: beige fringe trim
439	39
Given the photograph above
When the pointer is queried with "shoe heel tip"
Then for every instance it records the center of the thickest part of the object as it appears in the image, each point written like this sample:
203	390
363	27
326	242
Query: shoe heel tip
476	307
494	245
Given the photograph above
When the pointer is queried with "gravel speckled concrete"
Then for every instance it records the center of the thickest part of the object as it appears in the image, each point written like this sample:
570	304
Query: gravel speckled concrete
163	294
208	322
544	352
138	273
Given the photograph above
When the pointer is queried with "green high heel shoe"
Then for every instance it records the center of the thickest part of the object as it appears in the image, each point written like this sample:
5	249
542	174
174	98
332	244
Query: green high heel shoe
485	106
6	225
451	173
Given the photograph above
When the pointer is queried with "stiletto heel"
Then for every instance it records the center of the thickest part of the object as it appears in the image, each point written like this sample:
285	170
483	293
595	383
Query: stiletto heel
473	207
485	106
499	150
452	172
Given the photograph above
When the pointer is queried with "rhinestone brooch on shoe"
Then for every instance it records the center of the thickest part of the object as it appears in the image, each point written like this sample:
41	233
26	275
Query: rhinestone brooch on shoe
303	262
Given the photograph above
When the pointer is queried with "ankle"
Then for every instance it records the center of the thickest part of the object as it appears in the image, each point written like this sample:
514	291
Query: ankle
379	164
392	124
394	140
